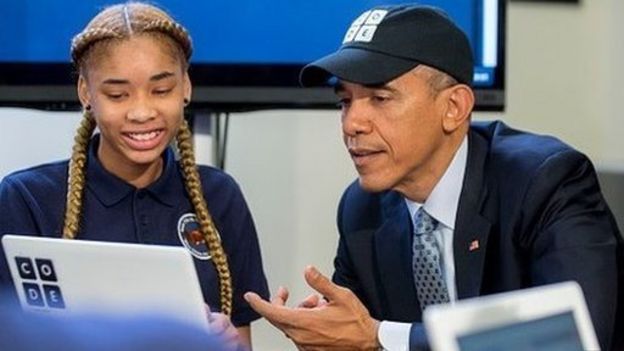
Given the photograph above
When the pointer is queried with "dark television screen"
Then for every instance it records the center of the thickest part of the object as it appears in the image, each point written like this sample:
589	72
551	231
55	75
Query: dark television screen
248	53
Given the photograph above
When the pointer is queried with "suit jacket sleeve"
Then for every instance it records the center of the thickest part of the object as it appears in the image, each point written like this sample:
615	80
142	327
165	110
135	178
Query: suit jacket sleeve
571	235
344	273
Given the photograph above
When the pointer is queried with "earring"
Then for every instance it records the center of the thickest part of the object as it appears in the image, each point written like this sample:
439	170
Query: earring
186	101
87	112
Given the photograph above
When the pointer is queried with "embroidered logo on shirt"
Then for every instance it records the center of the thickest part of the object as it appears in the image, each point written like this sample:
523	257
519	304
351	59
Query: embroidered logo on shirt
191	236
364	27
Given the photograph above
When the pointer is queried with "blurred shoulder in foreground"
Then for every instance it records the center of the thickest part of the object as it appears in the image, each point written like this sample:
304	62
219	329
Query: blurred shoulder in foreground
28	332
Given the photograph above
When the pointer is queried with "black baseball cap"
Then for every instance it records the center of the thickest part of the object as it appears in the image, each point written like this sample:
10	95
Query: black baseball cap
387	41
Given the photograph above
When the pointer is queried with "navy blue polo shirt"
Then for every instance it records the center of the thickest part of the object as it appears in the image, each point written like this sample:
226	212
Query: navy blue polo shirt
32	202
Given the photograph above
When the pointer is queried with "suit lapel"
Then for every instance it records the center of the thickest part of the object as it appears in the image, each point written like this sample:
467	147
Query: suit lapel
471	228
393	242
394	256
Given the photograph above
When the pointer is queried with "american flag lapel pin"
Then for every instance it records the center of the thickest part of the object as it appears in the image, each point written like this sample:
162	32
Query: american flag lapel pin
474	245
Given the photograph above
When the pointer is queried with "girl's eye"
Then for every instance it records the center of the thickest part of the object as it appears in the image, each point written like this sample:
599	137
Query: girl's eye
162	91
115	96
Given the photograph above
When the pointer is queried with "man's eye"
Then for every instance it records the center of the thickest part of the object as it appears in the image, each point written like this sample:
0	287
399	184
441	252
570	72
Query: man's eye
380	98
343	102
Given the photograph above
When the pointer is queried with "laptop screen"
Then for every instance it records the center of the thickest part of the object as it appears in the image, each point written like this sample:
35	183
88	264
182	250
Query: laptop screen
551	317
552	333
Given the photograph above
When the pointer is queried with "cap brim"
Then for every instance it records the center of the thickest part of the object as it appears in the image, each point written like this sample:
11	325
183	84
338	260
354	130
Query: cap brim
355	65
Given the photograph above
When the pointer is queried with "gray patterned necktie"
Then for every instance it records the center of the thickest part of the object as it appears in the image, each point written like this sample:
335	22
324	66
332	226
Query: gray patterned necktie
430	285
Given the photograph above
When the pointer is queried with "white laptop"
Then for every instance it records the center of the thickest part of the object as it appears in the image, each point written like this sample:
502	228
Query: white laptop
62	276
547	318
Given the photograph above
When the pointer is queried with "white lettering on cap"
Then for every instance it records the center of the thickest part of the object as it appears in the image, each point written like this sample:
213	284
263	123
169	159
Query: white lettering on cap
364	27
376	17
365	33
350	35
360	20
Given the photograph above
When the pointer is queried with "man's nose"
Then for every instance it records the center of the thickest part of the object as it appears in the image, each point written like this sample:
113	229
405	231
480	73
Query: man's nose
356	119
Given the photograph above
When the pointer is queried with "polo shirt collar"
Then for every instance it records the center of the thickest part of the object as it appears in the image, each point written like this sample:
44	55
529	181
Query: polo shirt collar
168	188
110	189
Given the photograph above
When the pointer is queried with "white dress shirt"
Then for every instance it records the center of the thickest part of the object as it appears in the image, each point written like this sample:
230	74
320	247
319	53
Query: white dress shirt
442	205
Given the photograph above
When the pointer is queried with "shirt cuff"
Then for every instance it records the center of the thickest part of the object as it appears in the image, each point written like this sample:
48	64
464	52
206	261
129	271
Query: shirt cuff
394	336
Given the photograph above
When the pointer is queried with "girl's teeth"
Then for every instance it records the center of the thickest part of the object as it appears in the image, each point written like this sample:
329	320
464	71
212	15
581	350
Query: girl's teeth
143	136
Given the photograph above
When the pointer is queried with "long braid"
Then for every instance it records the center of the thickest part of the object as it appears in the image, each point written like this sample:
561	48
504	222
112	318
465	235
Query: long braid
76	177
213	242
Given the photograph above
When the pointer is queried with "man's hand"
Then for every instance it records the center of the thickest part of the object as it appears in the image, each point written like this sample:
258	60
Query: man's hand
342	323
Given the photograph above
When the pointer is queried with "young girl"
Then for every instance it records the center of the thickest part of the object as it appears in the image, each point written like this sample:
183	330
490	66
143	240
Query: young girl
125	184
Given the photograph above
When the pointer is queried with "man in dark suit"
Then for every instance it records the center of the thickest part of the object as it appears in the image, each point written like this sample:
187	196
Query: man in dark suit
443	209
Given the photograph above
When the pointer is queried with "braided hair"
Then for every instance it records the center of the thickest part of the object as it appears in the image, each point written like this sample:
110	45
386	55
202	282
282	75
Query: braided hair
114	24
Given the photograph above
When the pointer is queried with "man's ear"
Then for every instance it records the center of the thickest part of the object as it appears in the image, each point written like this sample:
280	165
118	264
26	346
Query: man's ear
459	103
83	91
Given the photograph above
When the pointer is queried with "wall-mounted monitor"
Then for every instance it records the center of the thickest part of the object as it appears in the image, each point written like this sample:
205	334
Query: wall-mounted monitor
248	53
